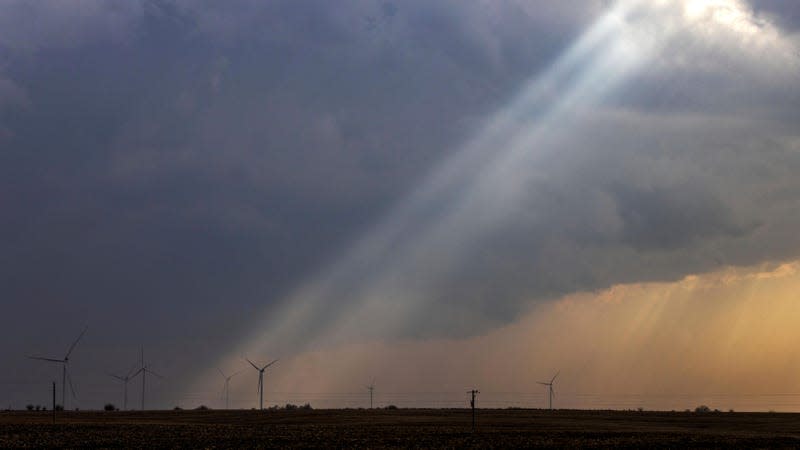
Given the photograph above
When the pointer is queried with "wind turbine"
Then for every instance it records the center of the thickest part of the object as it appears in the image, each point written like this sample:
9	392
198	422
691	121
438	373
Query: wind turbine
550	388
371	389
125	379
64	372
260	380
144	370
227	381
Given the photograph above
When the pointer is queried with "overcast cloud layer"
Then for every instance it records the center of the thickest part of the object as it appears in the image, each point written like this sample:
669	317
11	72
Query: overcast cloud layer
184	167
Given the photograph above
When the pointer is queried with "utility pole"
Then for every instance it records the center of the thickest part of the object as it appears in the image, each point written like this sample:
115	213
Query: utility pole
371	389
144	372
472	405
54	402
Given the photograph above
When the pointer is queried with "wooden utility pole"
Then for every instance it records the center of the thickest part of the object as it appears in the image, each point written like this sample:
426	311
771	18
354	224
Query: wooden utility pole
54	402
472	405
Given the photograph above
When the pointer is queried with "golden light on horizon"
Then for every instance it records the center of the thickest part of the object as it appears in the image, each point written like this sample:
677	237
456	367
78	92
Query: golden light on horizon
727	339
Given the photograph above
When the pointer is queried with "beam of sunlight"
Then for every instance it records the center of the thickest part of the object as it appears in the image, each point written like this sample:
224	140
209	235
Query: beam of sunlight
376	279
393	275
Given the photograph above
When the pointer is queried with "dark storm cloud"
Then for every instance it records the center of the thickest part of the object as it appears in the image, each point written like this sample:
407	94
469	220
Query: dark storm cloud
175	166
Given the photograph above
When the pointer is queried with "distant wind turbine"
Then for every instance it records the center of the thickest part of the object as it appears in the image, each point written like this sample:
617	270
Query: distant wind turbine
144	370
550	388
125	379
260	380
64	371
227	382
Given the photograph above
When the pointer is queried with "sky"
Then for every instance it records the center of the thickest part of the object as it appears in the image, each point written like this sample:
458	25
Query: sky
433	196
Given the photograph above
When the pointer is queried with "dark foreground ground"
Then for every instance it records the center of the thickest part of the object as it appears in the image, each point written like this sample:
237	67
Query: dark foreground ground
399	428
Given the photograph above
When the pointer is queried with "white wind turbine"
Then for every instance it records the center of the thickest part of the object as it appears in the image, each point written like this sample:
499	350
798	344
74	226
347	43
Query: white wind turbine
550	388
227	382
64	371
125	379
260	380
144	370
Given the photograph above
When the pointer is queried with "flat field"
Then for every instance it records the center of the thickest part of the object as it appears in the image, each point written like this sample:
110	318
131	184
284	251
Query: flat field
403	428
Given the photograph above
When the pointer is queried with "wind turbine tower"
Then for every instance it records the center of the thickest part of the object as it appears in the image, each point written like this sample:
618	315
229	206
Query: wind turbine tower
260	381
227	382
550	388
64	371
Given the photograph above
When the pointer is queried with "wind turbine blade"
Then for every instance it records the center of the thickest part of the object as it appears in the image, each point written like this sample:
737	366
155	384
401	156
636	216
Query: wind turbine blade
222	373
273	362
137	373
554	377
40	358
71	388
116	376
543	383
153	373
130	372
235	373
72	347
252	364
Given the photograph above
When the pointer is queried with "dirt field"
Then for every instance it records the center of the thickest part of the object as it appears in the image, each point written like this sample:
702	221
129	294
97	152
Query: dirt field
398	428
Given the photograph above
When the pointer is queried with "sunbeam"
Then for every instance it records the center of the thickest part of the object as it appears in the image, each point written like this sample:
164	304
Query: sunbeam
391	283
392	273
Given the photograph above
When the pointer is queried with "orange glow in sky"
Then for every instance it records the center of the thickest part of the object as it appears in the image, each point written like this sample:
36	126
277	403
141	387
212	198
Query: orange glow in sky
727	339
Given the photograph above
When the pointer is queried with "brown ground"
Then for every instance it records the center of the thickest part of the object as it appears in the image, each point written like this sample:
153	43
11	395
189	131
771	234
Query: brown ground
398	428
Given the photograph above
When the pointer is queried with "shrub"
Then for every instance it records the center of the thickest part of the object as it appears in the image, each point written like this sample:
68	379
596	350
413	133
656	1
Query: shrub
391	407
109	407
202	408
59	408
29	407
702	409
177	408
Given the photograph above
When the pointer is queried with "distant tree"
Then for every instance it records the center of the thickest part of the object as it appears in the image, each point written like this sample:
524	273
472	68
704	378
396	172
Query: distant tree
202	408
391	407
307	406
59	408
290	407
109	407
177	408
29	407
731	410
38	407
702	409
